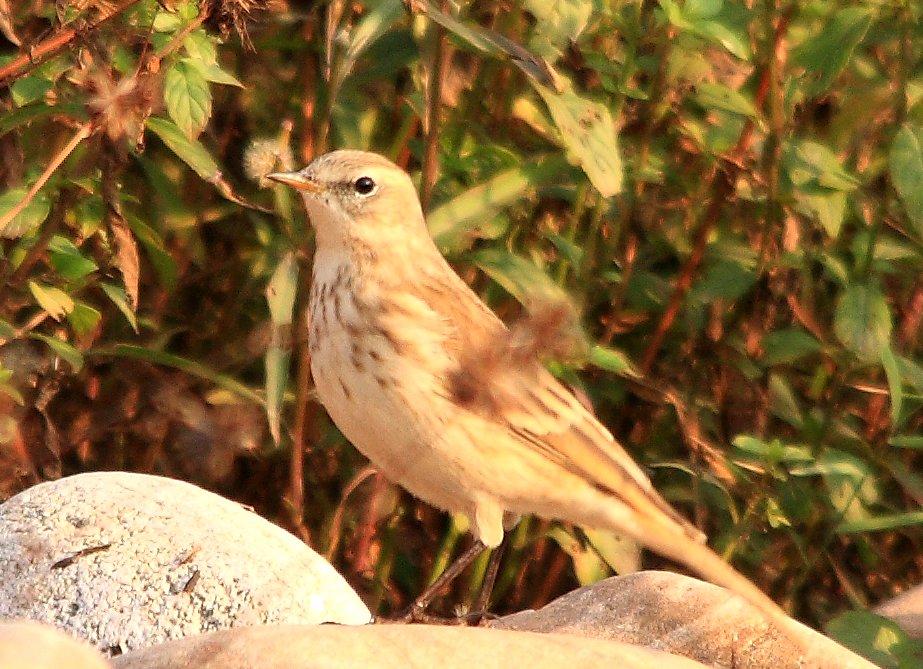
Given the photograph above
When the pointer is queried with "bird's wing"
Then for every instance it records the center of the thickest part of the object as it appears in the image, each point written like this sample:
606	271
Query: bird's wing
544	415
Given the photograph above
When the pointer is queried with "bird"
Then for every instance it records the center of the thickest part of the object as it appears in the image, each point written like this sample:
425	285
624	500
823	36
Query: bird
424	379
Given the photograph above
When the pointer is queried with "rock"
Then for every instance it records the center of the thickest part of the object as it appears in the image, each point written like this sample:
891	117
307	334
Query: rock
130	560
906	609
25	644
392	647
685	616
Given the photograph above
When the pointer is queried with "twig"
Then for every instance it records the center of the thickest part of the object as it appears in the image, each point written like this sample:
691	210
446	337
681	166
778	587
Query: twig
82	133
438	70
722	187
51	46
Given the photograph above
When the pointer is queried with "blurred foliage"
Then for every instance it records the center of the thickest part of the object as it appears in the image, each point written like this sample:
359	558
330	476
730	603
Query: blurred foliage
747	256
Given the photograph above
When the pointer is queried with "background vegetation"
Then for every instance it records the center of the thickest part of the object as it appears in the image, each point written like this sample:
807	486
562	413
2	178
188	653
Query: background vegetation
747	257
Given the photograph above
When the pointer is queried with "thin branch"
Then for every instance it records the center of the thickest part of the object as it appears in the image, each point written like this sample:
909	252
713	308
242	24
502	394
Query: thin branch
55	44
82	133
722	187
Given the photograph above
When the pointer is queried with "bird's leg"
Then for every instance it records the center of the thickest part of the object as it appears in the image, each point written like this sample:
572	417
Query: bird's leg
417	611
482	603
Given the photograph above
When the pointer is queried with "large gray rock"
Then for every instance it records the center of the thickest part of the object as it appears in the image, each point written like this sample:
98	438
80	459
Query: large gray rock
129	560
685	616
393	647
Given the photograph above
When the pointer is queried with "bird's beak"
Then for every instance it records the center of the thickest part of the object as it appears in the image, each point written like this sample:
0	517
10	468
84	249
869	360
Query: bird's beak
296	180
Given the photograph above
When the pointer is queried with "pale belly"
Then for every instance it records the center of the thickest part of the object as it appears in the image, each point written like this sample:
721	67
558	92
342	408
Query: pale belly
388	407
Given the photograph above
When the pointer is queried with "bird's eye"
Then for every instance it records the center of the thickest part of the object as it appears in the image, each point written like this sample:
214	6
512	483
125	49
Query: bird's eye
365	185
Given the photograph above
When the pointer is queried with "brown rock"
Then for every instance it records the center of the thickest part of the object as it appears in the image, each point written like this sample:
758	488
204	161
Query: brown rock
685	616
29	645
392	647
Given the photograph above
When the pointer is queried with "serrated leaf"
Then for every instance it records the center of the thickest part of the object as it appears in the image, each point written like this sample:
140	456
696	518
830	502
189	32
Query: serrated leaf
65	351
27	220
862	321
188	97
189	151
53	300
589	135
906	167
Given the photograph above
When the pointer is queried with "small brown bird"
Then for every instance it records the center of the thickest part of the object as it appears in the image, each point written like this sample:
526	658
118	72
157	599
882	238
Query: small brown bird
425	380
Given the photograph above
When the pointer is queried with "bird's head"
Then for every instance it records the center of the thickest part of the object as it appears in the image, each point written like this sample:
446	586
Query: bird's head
357	195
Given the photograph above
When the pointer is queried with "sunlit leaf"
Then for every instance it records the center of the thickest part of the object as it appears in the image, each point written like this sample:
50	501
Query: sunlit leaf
589	136
188	97
280	294
189	151
53	300
558	23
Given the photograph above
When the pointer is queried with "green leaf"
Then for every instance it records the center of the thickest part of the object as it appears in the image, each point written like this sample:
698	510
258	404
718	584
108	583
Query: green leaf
189	151
850	482
895	385
825	55
782	402
612	360
120	300
906	168
558	23
521	278
863	321
813	164
188	97
913	441
719	96
280	294
589	135
725	279
182	364
65	351
786	346
27	220
29	89
875	637
881	523
829	207
53	300
67	259
454	223
84	319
